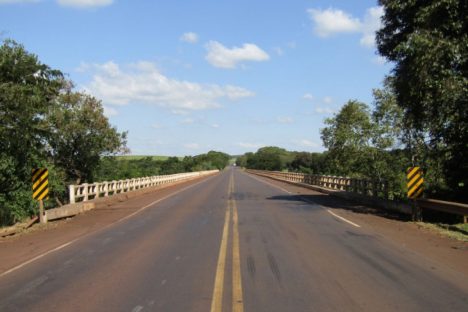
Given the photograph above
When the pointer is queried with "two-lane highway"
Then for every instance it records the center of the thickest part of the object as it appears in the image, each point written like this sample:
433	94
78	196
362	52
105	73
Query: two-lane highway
233	242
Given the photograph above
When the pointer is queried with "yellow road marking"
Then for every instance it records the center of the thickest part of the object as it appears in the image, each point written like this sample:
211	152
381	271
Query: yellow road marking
217	299
237	298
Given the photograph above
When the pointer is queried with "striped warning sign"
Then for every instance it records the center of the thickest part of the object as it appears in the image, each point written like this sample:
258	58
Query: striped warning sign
40	180
415	180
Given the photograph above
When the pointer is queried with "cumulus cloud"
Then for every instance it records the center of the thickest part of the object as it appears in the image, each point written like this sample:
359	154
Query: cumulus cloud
84	3
223	57
372	23
308	97
189	37
142	82
333	21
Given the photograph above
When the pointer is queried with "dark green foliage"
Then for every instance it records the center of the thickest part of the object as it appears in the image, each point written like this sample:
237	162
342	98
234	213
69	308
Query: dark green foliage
81	135
312	163
27	90
428	42
45	125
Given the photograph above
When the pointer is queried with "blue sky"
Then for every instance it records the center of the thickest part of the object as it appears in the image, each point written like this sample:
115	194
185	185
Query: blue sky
186	77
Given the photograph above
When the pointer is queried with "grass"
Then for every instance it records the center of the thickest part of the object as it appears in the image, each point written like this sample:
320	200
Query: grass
447	230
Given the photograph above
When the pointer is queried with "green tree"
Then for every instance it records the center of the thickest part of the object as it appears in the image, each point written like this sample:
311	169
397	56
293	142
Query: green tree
348	137
428	43
28	89
81	135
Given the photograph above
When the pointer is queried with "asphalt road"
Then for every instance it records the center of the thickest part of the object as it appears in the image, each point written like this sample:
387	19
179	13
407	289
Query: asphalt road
233	243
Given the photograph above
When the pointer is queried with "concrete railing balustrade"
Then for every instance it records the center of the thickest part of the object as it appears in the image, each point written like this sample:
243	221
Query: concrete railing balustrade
88	191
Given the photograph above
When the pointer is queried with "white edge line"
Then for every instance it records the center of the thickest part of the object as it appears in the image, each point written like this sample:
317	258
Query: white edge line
343	219
331	212
19	266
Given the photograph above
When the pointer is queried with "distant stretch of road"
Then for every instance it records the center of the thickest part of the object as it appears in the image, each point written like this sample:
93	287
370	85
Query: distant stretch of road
233	242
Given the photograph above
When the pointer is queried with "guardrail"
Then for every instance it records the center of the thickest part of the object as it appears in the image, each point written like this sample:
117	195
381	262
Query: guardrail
366	188
85	191
358	186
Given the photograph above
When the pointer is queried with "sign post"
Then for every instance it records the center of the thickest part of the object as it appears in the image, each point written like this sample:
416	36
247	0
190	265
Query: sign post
40	180
415	180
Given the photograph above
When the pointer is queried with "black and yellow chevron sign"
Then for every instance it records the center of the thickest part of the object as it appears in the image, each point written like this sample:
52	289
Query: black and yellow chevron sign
40	179
415	180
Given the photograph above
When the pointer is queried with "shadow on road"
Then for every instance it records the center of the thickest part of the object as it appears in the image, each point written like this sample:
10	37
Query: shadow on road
338	203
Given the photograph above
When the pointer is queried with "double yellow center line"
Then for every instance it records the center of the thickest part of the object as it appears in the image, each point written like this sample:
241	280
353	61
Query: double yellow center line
217	299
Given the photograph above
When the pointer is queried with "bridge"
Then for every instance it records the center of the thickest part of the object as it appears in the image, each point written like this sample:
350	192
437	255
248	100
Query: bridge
231	241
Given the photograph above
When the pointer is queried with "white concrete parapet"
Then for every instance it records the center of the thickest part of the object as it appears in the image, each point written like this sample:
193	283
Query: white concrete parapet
86	191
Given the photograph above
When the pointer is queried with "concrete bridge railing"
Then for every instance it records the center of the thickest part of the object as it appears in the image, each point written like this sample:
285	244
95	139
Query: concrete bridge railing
88	191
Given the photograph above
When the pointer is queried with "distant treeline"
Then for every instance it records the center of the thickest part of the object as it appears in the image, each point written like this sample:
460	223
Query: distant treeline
121	167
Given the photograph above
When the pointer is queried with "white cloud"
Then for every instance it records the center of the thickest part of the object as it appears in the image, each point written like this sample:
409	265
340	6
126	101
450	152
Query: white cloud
189	37
306	143
215	126
250	145
379	60
324	110
84	3
285	120
192	146
110	111
372	23
308	97
333	21
142	82
223	57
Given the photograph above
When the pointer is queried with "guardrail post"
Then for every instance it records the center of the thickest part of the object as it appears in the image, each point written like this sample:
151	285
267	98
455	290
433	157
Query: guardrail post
85	191
71	193
416	211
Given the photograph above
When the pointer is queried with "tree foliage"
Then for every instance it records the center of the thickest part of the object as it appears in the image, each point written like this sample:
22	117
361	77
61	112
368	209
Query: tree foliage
81	135
428	43
43	124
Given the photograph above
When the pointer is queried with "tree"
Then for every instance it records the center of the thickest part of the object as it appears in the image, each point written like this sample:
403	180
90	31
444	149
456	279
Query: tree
81	135
312	163
428	42
348	138
27	90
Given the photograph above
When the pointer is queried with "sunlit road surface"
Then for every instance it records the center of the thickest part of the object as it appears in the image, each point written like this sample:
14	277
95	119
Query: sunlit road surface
233	242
